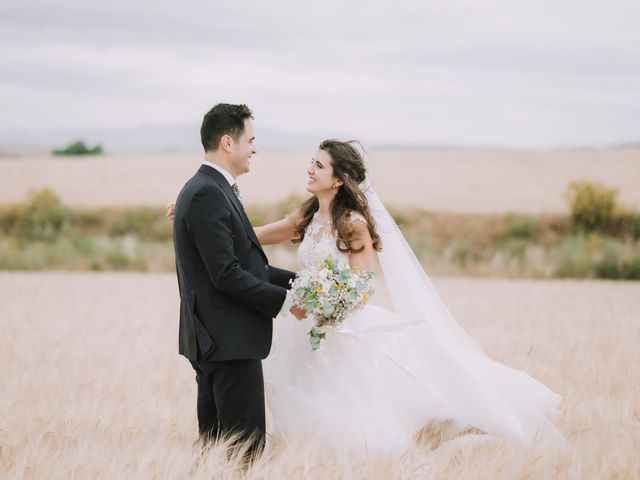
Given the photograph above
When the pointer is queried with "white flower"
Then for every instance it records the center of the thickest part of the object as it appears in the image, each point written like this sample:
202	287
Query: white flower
330	294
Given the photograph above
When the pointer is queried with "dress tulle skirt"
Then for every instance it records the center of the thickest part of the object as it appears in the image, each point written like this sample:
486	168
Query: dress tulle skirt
377	380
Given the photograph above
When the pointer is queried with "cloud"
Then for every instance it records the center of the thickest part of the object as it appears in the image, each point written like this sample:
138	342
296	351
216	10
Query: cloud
510	73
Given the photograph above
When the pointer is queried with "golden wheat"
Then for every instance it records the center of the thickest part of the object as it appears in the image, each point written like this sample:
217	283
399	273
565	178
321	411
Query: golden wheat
91	385
450	181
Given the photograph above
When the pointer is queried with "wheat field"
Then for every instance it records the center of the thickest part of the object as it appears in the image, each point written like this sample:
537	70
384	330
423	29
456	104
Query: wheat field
450	181
92	385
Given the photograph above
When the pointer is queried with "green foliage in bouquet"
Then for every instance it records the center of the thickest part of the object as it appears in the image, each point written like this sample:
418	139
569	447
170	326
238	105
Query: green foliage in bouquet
329	292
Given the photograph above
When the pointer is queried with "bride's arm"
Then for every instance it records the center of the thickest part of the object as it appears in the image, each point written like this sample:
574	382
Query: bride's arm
278	232
364	259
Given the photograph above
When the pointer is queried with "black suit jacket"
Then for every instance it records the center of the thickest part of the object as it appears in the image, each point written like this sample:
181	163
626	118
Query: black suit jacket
228	292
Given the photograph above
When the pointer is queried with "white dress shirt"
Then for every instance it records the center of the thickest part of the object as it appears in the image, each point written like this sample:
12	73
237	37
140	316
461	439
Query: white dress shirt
288	301
226	174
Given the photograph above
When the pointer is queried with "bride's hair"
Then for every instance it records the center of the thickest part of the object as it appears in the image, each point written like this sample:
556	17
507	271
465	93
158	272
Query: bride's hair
348	167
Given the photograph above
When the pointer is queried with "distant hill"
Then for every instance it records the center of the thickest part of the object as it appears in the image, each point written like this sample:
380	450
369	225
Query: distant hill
186	137
142	138
623	146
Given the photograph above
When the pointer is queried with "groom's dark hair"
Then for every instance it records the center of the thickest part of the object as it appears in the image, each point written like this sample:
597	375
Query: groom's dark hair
223	119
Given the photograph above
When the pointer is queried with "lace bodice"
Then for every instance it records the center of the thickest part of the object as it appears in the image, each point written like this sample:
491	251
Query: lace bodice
320	241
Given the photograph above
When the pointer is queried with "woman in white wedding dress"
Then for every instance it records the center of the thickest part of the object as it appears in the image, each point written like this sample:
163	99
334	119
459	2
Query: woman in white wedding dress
381	375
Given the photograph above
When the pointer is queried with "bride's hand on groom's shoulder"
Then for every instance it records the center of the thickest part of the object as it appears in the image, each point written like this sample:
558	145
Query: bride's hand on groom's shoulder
298	312
171	208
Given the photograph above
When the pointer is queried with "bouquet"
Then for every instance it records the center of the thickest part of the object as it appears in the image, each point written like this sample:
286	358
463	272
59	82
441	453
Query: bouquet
329	291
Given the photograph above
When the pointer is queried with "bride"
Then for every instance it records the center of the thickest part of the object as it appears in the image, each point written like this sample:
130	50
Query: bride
382	374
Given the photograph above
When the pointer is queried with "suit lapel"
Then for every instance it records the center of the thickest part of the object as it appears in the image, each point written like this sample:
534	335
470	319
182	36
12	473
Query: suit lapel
243	215
219	178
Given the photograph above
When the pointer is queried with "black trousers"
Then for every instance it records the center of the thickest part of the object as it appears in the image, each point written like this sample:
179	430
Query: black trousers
231	401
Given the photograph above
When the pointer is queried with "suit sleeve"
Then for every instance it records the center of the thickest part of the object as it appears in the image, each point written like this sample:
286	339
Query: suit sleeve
208	219
281	277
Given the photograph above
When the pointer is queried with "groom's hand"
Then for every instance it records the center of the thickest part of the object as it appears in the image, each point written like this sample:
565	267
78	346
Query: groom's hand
298	312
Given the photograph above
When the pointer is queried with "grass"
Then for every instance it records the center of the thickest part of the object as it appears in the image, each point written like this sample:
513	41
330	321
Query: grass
93	387
43	234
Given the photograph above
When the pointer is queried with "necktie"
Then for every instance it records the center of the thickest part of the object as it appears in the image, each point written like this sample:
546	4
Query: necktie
236	190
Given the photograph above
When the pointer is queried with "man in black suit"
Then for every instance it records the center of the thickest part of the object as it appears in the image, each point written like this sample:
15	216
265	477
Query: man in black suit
229	293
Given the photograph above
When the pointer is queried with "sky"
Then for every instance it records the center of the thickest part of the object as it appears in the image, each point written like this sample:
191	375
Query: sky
533	74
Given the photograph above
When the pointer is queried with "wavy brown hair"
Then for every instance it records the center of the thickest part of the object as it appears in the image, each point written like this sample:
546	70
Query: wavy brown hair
348	167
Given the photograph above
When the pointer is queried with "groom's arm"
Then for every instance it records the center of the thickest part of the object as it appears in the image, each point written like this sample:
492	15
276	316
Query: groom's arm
208	219
281	277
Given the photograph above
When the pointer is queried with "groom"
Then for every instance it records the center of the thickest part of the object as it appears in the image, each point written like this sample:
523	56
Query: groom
229	293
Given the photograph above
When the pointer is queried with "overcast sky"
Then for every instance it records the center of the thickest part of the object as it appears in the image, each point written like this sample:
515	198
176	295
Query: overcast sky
519	74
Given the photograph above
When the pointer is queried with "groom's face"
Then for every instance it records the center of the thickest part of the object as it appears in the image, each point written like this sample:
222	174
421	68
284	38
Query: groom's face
242	149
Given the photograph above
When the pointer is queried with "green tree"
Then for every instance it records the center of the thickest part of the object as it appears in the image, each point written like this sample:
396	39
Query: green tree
79	148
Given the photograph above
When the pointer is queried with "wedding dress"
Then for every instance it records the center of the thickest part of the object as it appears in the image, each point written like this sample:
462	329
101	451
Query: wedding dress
382	374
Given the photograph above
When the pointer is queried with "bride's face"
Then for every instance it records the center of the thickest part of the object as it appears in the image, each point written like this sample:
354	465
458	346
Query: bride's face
320	171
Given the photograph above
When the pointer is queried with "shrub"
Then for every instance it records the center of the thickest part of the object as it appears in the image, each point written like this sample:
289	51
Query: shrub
84	245
631	270
79	148
608	268
161	230
631	224
635	226
593	255
144	222
117	259
608	264
575	255
515	247
520	227
88	219
95	266
462	252
593	206
41	218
